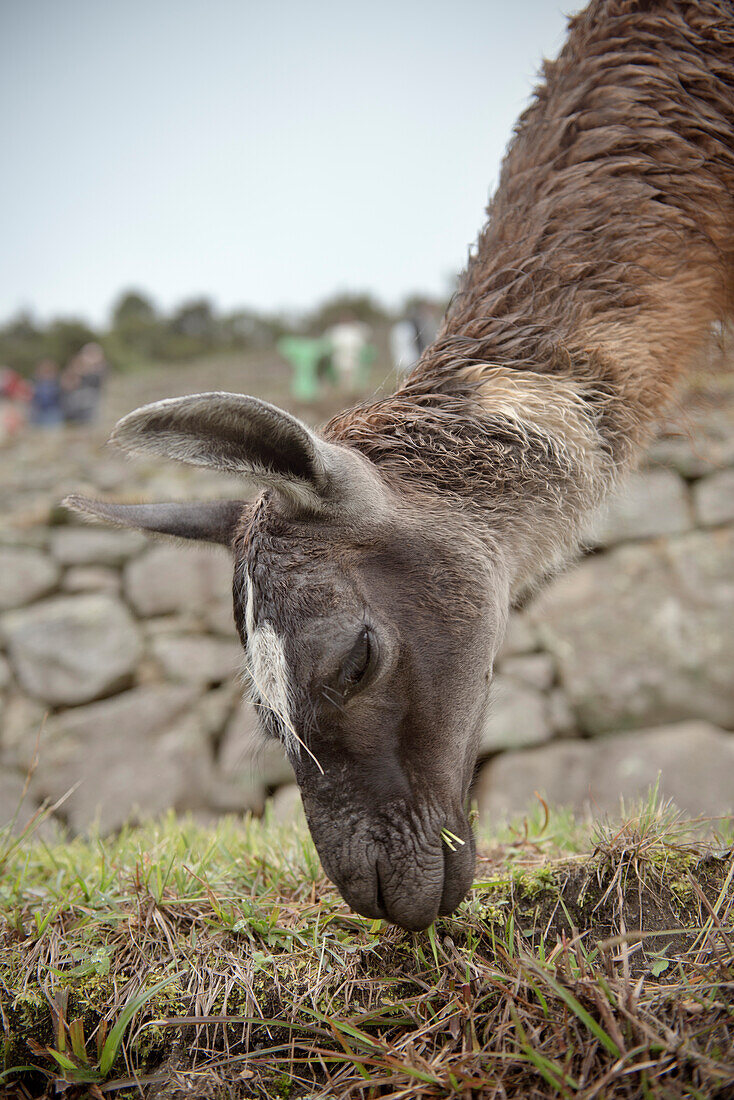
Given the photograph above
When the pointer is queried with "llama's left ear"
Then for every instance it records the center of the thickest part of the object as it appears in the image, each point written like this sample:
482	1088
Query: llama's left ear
204	521
241	435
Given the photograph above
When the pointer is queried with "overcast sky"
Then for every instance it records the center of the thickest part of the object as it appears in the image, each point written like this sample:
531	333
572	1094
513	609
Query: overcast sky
264	154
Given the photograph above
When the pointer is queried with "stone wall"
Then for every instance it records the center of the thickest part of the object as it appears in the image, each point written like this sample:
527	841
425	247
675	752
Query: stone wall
119	664
623	669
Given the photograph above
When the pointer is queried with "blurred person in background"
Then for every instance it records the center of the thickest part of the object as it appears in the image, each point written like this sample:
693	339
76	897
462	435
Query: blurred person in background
15	394
45	409
424	316
82	383
403	345
73	398
348	339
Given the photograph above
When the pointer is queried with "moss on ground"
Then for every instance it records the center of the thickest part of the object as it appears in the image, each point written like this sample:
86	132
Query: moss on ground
221	961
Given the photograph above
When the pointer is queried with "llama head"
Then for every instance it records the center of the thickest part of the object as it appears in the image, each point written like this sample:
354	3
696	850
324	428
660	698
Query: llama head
369	618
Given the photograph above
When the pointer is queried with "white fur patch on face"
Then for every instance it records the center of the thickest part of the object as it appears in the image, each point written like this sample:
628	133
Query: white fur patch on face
269	670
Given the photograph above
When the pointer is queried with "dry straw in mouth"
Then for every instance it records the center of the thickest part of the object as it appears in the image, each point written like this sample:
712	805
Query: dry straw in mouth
451	839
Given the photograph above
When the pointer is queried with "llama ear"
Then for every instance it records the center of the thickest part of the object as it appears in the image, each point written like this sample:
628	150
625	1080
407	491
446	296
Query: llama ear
239	434
207	521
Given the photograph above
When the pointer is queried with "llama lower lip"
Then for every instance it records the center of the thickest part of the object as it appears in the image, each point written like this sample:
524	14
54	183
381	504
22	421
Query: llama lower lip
412	911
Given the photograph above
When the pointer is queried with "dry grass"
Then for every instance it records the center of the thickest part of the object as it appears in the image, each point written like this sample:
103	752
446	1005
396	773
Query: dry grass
175	960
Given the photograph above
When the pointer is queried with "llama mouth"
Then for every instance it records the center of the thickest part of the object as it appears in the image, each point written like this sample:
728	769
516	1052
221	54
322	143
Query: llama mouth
412	909
401	866
443	887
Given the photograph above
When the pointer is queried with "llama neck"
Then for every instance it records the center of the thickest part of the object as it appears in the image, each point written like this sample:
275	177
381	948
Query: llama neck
609	248
524	469
608	252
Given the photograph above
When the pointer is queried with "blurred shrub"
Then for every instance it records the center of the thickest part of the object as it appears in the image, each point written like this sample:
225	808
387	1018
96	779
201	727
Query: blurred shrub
358	307
139	334
23	343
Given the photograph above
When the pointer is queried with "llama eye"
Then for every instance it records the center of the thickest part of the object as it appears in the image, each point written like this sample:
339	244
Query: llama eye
357	662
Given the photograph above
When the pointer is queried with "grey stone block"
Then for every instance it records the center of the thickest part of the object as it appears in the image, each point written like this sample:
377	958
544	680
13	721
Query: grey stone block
198	658
22	723
560	715
186	623
95	545
219	617
647	505
91	578
286	805
643	635
517	718
705	444
245	752
695	761
125	758
25	575
217	706
178	580
521	636
713	499
674	452
18	810
72	649
533	669
240	794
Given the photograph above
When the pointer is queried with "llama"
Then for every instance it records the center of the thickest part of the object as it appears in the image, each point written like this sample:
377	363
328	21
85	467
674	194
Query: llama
374	575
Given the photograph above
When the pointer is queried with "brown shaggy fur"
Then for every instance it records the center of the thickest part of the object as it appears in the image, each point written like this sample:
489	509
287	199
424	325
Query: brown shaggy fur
608	253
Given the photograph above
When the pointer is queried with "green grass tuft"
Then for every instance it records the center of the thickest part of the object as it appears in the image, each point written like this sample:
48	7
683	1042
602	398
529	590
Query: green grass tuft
220	962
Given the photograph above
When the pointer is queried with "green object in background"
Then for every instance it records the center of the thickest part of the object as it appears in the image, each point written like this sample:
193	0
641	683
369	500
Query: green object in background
304	354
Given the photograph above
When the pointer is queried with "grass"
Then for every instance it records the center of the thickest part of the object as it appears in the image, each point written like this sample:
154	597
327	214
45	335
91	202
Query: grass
178	960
